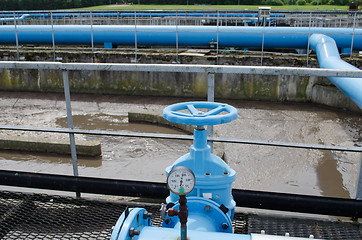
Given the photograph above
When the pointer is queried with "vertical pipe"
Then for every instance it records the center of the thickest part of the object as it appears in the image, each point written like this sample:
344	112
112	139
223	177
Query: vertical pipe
310	21
117	17
16	38
70	124
217	38
210	98
53	40
354	27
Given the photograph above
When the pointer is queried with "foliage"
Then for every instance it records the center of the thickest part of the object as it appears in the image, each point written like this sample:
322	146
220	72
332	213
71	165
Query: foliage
301	2
49	4
273	2
164	4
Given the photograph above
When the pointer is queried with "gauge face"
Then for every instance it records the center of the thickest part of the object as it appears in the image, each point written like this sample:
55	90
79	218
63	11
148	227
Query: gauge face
181	180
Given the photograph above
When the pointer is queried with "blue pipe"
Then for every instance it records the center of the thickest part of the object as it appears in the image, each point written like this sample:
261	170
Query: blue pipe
286	37
328	57
10	17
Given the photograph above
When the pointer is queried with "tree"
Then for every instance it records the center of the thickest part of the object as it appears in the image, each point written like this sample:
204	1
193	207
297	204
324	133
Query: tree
301	2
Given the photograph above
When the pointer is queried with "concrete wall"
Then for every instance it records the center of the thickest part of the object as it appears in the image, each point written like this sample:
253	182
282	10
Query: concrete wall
227	86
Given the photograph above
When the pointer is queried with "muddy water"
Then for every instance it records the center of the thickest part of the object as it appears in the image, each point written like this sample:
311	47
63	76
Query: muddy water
314	172
119	155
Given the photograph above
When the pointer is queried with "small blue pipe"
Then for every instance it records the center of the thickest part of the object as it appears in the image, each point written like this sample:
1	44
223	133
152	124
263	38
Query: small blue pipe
9	17
328	57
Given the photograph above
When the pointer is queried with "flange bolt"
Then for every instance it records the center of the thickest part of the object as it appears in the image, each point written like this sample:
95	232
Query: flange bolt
147	215
167	220
225	226
132	232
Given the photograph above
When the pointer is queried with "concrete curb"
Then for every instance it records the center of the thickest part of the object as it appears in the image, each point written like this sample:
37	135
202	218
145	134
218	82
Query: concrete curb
46	145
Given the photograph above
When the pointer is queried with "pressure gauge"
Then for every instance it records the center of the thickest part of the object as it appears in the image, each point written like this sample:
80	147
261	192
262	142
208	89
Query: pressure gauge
181	180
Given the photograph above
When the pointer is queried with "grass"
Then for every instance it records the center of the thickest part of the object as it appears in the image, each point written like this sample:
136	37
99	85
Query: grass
212	7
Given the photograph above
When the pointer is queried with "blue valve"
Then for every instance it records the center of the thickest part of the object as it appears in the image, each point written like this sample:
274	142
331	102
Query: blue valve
217	113
213	176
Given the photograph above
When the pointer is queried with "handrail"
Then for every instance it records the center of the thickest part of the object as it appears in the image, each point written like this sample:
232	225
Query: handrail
182	137
194	68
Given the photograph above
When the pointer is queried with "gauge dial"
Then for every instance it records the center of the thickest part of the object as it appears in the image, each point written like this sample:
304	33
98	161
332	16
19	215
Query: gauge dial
181	180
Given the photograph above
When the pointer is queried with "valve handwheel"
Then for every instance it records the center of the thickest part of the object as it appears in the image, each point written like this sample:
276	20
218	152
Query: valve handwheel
217	113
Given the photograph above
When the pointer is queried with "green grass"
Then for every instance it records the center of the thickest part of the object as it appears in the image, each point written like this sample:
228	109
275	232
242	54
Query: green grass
212	7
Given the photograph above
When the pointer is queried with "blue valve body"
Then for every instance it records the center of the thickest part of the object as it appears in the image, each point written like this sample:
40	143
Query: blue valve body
213	176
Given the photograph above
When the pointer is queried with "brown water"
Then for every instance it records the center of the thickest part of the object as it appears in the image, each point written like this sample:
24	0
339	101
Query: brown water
314	172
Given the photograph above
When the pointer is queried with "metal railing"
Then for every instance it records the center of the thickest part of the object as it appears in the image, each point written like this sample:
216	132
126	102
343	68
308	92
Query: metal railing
210	70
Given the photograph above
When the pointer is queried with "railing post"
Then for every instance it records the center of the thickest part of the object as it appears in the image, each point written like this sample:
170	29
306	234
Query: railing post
310	21
217	37
359	182
16	37
210	98
92	37
354	27
70	124
53	38
177	61
135	38
262	44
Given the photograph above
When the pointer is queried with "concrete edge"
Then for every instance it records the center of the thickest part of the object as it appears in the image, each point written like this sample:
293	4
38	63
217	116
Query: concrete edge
157	118
45	145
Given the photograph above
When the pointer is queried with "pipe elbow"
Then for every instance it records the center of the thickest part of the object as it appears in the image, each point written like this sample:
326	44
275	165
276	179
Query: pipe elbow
328	57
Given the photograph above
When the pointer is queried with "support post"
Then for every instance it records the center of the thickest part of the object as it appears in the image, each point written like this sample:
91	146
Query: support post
16	37
53	39
262	44
70	124
91	19
354	27
210	98
217	38
310	22
359	182
135	38
177	61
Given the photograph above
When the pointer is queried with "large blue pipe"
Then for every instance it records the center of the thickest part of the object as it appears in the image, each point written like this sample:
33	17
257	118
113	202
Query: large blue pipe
326	46
287	37
328	57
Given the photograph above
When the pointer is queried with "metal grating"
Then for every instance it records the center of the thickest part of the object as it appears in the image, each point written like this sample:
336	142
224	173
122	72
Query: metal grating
298	227
39	216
